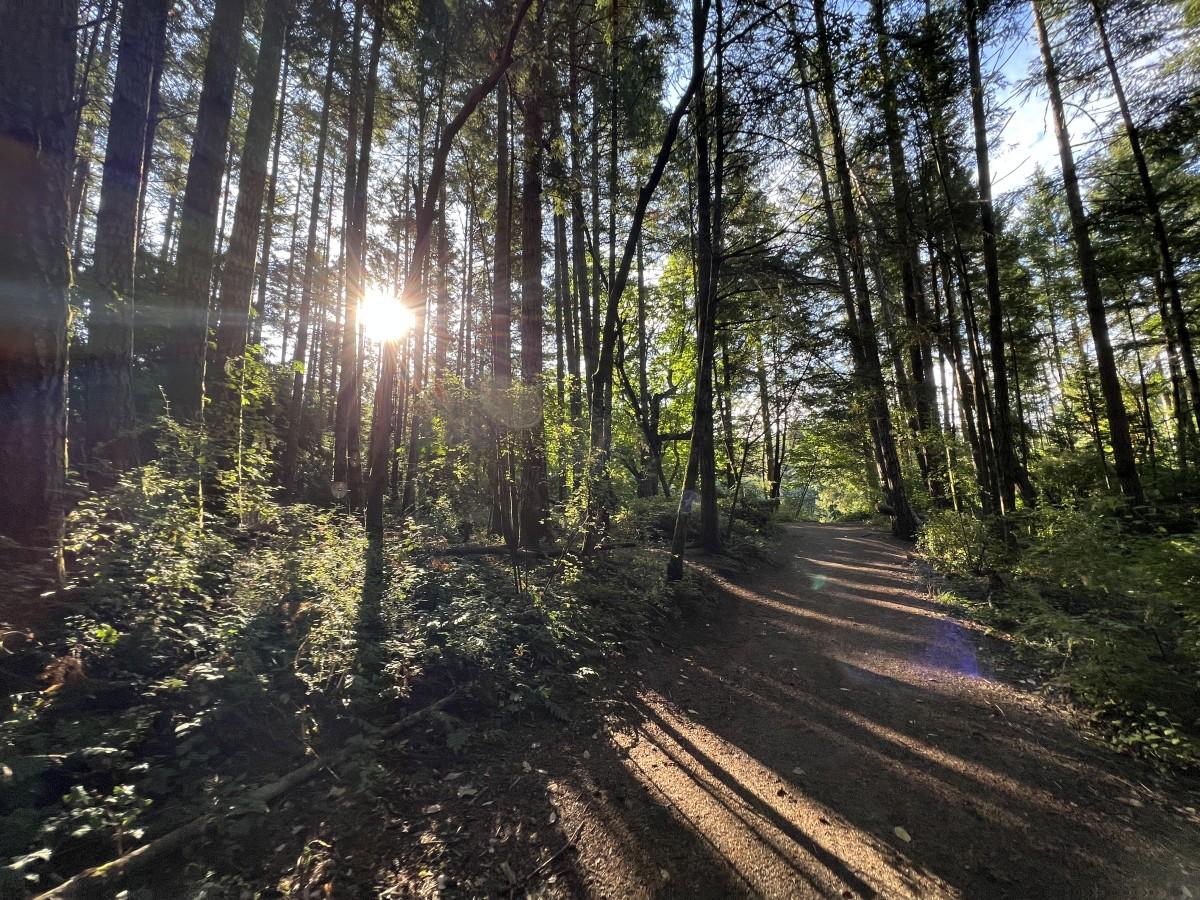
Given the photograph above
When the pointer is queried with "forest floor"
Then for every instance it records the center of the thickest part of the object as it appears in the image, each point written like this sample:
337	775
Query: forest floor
824	729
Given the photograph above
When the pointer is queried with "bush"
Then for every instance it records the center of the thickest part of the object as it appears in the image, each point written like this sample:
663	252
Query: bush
957	543
1112	615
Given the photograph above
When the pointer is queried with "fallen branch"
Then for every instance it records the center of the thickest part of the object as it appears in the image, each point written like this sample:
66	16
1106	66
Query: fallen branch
91	882
557	853
505	550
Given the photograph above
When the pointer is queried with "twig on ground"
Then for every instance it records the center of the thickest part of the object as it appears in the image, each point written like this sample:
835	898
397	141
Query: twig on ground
559	852
94	881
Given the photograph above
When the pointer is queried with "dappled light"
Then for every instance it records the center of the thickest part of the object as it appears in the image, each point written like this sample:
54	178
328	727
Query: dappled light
560	449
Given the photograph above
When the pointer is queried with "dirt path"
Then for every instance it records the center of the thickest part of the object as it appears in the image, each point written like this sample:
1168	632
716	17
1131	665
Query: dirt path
829	732
824	730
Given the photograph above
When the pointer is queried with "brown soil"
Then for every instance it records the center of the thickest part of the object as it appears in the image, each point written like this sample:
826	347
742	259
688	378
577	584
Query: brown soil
826	730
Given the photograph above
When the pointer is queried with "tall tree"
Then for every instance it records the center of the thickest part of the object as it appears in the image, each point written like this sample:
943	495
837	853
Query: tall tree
109	416
382	412
1002	434
37	65
534	506
237	279
916	311
1150	197
300	354
904	521
268	228
347	362
186	338
1110	382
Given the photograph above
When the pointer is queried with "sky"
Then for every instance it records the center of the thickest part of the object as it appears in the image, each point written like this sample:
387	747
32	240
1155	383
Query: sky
1027	138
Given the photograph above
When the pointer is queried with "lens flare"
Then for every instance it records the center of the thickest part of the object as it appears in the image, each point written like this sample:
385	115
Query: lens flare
383	317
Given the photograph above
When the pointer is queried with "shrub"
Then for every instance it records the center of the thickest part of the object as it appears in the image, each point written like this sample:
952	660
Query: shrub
957	543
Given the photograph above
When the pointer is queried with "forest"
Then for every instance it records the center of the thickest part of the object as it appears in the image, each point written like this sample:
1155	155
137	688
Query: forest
599	448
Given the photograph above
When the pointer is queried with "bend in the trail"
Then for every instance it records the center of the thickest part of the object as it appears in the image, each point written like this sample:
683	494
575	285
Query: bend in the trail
829	731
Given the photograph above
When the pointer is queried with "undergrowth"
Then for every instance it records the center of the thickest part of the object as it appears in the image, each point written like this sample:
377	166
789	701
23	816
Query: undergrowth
206	651
1109	607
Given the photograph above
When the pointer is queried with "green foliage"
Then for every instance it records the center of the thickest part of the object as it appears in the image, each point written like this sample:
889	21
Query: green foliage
213	642
958	543
1111	611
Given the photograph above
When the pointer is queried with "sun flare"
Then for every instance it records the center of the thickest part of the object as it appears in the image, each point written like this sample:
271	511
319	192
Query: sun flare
383	316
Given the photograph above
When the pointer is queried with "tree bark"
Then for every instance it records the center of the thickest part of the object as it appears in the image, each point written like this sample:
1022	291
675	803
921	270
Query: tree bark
110	442
1006	460
347	360
700	452
268	236
502	287
237	279
37	64
381	422
904	520
187	325
1150	197
300	353
916	312
534	496
1110	384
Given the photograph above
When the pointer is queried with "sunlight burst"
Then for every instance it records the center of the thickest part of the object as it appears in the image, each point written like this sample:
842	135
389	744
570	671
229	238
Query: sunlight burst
383	316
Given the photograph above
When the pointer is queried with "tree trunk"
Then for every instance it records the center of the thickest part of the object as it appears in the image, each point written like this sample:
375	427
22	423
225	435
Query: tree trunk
916	311
702	411
37	63
770	472
904	521
187	326
290	288
82	170
502	289
300	354
1178	389
346	362
1110	384
268	237
441	319
534	495
381	423
841	265
1006	460
109	438
237	279
501	319
356	283
1154	209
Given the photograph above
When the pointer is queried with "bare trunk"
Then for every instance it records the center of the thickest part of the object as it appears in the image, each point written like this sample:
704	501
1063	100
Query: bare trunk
916	310
37	64
904	521
268	237
1110	384
1154	209
381	424
300	353
1006	461
237	279
534	496
109	437
187	326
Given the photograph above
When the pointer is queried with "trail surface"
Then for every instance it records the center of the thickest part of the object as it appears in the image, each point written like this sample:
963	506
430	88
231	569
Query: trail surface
830	732
823	730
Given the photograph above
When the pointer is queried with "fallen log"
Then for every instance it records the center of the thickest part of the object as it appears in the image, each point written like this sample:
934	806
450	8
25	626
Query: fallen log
91	882
505	550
